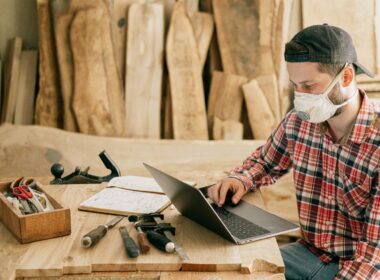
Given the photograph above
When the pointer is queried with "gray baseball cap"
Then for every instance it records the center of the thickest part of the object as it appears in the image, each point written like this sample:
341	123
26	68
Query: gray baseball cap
326	44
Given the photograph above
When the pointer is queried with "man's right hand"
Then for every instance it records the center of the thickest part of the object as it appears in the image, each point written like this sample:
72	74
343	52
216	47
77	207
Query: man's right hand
218	192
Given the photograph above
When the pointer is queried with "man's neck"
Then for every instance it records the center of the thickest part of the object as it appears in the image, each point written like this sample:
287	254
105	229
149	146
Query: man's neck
342	124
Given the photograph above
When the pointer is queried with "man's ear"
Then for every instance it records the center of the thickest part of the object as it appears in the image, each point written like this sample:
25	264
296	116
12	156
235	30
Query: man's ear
348	76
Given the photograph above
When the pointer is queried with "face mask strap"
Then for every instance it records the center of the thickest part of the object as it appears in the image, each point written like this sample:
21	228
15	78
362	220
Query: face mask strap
333	83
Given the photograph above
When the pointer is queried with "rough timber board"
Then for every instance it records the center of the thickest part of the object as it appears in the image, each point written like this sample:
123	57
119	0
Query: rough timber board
24	109
240	21
49	100
188	104
365	12
144	70
11	83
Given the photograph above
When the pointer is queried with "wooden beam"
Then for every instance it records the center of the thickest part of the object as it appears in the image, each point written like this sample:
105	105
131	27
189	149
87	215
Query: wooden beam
260	115
24	109
11	83
49	100
225	100
144	70
188	104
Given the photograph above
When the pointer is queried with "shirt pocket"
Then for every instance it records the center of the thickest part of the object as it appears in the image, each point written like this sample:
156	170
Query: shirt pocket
354	198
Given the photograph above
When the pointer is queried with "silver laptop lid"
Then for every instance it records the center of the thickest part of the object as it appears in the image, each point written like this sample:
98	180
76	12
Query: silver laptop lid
199	210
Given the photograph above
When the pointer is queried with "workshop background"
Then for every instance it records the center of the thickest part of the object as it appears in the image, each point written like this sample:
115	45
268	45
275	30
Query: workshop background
155	71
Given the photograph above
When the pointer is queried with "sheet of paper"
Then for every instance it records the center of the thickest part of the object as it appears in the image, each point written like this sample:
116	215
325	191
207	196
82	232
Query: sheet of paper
138	183
118	201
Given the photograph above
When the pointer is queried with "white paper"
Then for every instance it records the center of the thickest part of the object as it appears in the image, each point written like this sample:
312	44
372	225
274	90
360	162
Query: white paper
118	200
137	183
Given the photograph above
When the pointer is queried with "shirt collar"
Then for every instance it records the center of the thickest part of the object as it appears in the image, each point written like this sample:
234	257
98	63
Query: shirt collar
362	126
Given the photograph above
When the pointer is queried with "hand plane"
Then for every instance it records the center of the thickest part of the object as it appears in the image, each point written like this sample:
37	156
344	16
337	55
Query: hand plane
82	176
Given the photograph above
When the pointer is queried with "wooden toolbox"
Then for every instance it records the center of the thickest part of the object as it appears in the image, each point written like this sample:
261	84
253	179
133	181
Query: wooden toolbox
38	226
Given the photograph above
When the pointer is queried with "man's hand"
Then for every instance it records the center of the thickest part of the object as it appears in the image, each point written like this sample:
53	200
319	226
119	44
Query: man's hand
218	192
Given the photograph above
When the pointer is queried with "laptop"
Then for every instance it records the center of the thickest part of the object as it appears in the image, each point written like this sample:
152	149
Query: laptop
240	223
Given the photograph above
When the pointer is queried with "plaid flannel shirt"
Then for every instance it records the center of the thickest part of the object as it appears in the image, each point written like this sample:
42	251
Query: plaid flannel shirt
337	187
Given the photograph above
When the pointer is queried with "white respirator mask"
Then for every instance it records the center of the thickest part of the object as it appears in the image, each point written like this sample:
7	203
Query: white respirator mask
317	108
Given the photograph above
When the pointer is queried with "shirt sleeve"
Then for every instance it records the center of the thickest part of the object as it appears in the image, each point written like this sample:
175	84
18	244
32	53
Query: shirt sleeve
366	262
267	163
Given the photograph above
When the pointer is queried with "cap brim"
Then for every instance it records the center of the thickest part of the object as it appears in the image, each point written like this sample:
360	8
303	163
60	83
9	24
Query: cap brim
360	69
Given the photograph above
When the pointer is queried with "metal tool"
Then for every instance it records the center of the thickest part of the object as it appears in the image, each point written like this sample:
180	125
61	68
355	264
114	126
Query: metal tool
167	231
94	236
24	193
160	241
141	237
130	246
82	176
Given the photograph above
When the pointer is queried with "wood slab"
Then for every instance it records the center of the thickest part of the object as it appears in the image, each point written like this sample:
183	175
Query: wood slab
97	101
227	130
63	17
49	100
364	12
24	109
281	31
225	99
188	104
11	83
240	21
260	115
203	26
144	71
269	86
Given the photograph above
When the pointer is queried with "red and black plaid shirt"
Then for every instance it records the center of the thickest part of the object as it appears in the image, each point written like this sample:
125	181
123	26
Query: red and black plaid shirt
337	187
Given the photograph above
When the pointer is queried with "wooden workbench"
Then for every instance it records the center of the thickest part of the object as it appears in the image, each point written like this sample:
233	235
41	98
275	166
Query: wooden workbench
63	258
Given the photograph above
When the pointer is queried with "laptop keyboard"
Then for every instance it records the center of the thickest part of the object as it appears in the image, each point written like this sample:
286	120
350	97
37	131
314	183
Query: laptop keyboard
238	226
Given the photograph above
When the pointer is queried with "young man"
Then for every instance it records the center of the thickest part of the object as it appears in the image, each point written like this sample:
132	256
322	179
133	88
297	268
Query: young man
331	140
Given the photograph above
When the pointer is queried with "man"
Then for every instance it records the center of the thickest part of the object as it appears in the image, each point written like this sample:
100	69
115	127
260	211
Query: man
331	140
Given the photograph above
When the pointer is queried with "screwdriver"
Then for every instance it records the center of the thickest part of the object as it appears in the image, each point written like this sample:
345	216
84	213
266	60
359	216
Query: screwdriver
160	241
94	236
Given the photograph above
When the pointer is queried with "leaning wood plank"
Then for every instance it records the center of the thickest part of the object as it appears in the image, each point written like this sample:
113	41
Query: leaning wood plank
191	6
225	99
144	71
203	25
90	101
268	83
316	12
49	100
65	62
188	104
237	26
11	83
24	110
260	115
227	130
281	30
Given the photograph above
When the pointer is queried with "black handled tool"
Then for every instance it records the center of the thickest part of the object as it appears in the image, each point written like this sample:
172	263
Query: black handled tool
93	237
141	237
160	241
82	176
130	246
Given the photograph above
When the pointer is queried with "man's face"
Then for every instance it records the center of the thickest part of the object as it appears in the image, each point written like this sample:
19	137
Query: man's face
306	77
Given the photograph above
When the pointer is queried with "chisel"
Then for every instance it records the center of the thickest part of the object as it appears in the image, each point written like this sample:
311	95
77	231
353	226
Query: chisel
160	241
93	237
130	246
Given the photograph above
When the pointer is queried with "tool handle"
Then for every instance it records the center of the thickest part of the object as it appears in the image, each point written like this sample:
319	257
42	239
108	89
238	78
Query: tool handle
160	241
143	242
93	237
130	246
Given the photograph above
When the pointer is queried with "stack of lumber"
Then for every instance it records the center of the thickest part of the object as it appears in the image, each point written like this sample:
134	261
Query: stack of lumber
162	68
19	84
